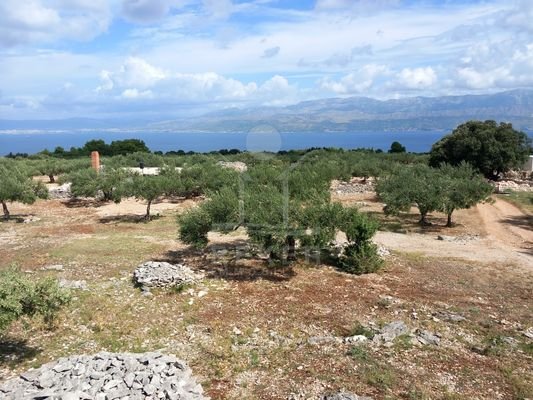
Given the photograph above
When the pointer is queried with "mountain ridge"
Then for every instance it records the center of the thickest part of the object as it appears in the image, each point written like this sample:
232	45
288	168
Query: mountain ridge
327	115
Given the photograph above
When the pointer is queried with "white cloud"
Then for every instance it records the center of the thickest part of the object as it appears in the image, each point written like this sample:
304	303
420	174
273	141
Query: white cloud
356	82
133	94
138	79
417	78
48	20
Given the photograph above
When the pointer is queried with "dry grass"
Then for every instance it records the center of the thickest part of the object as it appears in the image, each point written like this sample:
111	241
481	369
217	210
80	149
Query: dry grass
247	337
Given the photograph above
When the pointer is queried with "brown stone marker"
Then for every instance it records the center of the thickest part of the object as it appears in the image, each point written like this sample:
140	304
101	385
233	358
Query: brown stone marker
95	161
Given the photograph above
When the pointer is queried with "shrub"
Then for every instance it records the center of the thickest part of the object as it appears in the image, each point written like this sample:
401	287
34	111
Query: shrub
194	226
360	256
21	296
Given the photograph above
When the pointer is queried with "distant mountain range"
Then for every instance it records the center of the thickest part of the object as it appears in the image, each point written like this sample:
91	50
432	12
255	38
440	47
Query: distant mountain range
327	115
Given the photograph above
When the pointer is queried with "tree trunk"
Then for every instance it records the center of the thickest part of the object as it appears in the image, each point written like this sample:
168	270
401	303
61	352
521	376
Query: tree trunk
423	219
449	224
291	248
147	216
52	179
6	211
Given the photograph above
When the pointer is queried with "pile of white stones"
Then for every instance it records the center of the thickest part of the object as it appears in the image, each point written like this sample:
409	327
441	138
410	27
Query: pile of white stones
107	376
354	186
162	274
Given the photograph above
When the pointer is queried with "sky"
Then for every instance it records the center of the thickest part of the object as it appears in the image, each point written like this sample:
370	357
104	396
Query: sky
158	59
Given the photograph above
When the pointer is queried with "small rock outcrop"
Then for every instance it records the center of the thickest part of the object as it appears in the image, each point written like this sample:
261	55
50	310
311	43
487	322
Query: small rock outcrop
107	376
60	192
162	274
391	331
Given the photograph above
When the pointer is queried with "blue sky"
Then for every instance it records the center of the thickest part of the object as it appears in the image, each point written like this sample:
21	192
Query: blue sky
170	58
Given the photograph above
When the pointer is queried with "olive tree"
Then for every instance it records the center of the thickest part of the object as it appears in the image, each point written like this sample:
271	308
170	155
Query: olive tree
489	147
277	211
406	186
17	185
462	188
108	182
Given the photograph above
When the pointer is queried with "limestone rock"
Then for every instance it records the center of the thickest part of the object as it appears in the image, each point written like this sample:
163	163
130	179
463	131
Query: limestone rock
163	274
106	376
391	331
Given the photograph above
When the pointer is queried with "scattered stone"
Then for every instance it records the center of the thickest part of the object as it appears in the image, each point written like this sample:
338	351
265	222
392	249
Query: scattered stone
528	333
30	219
383	251
107	376
236	165
77	285
449	316
163	274
462	239
391	331
354	186
57	267
357	339
320	340
60	192
513	186
237	331
426	338
344	396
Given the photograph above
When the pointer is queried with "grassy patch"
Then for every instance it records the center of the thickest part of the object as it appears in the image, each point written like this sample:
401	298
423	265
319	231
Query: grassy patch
523	200
359	353
379	375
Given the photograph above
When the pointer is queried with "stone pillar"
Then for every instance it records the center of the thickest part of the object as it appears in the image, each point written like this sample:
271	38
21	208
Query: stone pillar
95	161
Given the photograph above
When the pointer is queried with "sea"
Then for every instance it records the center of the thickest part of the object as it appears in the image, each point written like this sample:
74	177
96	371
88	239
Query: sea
414	141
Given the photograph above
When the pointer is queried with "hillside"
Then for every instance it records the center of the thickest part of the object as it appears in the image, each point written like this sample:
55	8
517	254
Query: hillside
326	115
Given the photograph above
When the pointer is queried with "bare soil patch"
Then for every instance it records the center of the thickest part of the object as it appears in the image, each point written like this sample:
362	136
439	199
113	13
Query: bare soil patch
245	329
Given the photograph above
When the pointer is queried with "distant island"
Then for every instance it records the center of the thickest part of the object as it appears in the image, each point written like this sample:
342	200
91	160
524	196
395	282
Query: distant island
353	114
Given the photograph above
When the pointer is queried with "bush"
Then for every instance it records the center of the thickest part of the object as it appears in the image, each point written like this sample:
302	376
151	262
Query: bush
360	259
360	256
21	296
194	226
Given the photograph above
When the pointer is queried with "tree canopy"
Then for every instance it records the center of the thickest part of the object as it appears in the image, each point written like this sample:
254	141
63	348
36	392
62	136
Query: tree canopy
17	185
397	147
443	189
489	147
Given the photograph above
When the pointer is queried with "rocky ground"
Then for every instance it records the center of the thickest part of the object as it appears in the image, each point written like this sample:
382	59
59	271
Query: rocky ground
445	319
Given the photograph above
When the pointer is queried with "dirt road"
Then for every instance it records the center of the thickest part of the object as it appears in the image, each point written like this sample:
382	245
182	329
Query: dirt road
508	238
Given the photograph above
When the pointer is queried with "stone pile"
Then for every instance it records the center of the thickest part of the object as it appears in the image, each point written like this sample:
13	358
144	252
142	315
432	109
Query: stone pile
513	186
236	165
107	376
462	239
60	192
162	274
354	186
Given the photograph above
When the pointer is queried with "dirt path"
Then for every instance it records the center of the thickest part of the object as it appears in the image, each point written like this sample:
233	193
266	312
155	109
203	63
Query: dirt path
507	224
508	239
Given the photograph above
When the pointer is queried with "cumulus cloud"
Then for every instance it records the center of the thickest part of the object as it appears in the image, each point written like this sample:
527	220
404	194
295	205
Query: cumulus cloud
417	78
137	79
356	82
48	20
